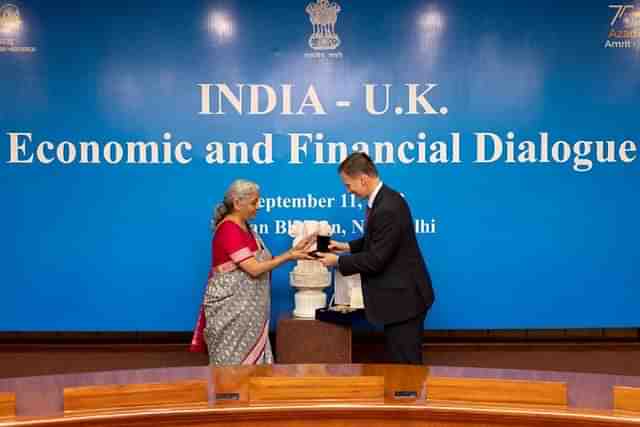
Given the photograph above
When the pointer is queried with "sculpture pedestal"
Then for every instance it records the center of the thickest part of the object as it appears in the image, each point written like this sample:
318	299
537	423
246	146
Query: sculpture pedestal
307	301
309	294
312	341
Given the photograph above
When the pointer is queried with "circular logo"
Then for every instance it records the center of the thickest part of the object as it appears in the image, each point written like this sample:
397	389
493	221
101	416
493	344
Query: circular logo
10	22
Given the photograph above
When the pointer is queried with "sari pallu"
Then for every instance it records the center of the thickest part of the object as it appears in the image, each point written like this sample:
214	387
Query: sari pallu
237	309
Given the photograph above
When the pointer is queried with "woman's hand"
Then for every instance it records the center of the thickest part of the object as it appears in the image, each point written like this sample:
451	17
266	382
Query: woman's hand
302	249
306	243
298	254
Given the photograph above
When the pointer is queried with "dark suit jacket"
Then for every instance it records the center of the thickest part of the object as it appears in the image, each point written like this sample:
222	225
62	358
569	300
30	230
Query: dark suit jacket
395	281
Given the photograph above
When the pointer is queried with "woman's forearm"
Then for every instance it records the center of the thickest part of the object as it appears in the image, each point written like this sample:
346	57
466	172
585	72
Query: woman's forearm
256	268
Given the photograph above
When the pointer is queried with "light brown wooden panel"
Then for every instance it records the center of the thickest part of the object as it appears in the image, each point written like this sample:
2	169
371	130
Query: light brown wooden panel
626	398
497	391
307	369
231	383
309	389
400	381
7	405
110	397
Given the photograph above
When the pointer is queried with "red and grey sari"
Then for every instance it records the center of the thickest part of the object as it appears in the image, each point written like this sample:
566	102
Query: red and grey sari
237	306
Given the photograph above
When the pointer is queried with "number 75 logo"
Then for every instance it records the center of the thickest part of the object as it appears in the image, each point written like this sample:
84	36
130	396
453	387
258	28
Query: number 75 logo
620	11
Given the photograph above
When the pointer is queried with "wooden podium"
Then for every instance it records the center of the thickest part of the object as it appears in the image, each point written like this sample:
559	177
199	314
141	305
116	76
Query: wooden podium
318	395
312	341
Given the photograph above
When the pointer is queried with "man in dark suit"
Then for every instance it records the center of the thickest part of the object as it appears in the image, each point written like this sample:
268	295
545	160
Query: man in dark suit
395	281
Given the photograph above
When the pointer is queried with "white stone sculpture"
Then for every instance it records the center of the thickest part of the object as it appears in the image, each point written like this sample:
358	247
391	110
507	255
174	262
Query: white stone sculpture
309	277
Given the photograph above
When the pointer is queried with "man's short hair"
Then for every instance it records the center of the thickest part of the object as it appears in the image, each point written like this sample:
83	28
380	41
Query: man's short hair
356	164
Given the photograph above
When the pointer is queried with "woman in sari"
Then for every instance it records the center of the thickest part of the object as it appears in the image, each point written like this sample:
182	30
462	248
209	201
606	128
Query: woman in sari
237	302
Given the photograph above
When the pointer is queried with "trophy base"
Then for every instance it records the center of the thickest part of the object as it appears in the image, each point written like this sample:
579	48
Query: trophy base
340	316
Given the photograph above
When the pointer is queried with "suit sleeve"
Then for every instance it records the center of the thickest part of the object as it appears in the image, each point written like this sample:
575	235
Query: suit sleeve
385	241
356	245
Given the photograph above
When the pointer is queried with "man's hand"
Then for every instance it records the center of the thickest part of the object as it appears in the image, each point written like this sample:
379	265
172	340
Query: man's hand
335	246
328	260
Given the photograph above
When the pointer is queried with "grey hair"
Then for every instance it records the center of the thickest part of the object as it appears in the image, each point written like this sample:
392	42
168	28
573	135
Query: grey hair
240	189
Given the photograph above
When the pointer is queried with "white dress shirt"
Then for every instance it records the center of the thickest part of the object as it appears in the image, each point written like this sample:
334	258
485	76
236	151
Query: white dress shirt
373	195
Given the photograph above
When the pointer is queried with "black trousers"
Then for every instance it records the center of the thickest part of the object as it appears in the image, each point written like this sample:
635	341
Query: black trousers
403	340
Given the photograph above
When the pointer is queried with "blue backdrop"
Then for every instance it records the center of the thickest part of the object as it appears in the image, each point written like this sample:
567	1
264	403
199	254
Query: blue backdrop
108	240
